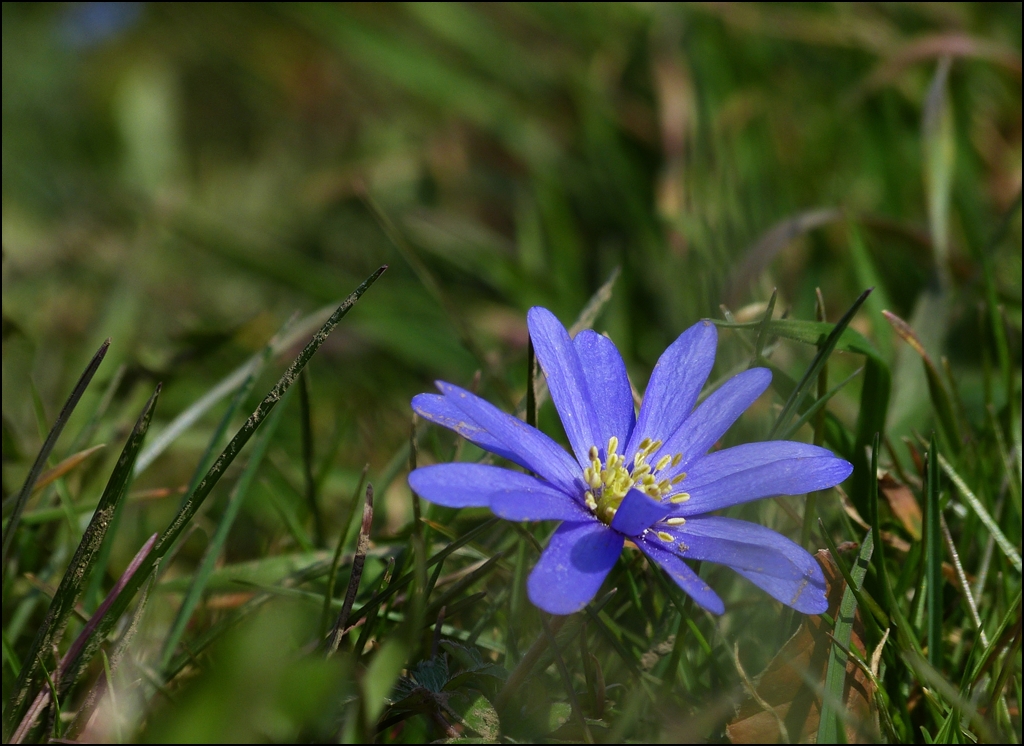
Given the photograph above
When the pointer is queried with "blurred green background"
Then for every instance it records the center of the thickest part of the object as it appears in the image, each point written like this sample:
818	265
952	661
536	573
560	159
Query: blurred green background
184	178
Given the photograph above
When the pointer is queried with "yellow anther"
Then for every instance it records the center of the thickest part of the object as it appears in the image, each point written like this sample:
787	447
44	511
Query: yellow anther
609	482
680	498
666	537
676	521
677	459
677	479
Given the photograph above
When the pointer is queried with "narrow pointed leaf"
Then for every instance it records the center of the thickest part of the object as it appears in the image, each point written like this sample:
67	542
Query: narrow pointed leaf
71	585
18	503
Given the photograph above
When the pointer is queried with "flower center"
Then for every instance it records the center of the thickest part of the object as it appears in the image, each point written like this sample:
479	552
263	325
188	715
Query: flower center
610	481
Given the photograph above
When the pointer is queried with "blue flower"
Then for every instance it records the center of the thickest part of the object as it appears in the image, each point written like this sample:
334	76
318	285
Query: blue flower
648	478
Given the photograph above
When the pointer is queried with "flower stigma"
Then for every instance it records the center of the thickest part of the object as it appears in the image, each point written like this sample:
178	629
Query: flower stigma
610	481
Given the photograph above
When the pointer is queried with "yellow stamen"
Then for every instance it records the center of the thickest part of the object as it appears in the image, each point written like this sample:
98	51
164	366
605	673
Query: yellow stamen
676	521
677	459
680	498
666	537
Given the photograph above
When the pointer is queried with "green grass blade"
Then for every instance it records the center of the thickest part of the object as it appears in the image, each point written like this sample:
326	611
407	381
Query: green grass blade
220	536
83	648
933	557
762	329
70	588
971	499
406	579
874	408
814	333
240	395
17	504
817	406
825	349
307	459
941	399
195	500
835	674
284	340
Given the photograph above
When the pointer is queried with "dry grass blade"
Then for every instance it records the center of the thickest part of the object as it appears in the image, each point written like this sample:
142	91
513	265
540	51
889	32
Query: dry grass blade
357	573
51	475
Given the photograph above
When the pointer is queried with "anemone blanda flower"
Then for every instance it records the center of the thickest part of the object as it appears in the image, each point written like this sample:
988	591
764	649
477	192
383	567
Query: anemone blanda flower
645	477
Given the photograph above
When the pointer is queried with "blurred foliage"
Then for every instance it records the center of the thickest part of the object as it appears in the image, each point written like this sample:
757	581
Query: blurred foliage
185	178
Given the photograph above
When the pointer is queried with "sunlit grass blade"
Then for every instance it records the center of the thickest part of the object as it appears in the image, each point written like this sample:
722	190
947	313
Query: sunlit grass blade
216	545
194	501
14	506
961	576
70	589
984	516
933	557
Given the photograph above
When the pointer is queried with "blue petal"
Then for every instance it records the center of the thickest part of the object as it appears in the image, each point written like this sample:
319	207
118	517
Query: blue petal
755	470
609	386
803	594
534	450
474	485
714	416
638	512
769	560
538	504
675	383
682	574
747	546
440	411
572	568
566	382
